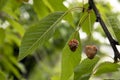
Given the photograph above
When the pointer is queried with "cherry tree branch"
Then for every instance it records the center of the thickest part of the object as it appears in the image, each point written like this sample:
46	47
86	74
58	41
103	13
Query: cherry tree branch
113	43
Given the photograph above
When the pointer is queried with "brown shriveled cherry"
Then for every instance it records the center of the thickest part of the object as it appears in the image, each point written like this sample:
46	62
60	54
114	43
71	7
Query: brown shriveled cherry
90	51
73	44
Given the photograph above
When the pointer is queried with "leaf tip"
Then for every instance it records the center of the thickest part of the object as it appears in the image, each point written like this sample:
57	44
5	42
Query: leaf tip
20	57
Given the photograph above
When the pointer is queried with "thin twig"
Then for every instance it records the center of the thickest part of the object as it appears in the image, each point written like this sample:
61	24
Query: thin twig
111	40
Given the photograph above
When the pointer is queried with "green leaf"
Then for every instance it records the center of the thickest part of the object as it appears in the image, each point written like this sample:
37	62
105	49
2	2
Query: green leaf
2	3
47	4
11	7
70	59
107	67
2	75
18	27
55	77
20	66
115	24
117	32
84	70
40	8
69	19
8	49
13	38
2	35
10	67
87	25
36	35
55	5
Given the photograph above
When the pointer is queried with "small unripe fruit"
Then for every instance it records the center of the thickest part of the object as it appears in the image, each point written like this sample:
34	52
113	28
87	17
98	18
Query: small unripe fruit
73	44
90	51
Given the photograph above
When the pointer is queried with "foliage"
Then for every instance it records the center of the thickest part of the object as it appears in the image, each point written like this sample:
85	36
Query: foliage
107	67
40	32
70	59
84	70
34	39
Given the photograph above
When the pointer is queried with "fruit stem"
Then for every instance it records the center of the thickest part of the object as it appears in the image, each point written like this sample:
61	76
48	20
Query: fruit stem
110	38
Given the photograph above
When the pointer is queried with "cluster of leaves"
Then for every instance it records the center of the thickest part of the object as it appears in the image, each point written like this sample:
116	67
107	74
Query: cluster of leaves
39	30
10	38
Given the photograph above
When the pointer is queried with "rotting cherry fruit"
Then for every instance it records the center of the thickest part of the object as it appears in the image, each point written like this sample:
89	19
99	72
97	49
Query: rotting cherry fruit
90	51
73	44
